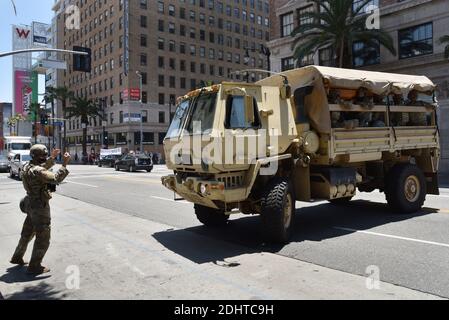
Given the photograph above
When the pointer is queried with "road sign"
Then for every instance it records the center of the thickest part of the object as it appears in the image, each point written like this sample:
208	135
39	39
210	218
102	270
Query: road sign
58	124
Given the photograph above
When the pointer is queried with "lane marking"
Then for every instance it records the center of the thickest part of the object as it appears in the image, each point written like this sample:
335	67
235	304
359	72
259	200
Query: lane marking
171	200
394	237
441	195
82	184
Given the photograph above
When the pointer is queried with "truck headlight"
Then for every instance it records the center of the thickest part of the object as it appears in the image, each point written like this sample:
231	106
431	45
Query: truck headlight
203	189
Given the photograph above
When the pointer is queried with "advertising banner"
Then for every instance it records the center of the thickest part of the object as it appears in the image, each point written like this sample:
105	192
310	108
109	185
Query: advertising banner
41	34
23	91
110	152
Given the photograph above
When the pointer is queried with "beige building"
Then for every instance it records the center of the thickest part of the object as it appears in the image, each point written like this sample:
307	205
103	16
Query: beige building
174	45
416	27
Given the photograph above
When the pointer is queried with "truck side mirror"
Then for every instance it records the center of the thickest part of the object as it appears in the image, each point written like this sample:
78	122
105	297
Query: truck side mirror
249	109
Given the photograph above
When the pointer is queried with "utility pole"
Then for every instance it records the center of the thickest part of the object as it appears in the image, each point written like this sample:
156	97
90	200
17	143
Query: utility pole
141	110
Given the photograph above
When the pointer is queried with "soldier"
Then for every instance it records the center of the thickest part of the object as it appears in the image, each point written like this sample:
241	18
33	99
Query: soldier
37	181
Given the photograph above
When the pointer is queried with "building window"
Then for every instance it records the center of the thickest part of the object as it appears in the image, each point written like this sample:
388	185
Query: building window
288	63
143	21
326	57
143	40
161	81
287	24
304	19
365	54
161	117
161	99
416	41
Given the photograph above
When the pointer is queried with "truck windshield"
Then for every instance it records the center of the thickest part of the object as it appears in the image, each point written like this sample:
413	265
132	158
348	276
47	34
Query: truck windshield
178	119
20	146
203	114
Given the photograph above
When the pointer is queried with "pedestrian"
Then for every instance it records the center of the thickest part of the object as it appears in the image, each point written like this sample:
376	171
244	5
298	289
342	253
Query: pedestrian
76	157
39	183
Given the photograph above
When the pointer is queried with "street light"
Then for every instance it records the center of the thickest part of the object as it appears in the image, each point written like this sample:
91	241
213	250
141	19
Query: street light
141	111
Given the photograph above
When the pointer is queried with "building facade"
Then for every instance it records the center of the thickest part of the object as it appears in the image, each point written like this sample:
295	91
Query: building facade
5	115
415	26
169	46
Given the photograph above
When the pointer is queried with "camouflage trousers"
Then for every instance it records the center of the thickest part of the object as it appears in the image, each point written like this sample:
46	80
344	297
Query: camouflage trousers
37	224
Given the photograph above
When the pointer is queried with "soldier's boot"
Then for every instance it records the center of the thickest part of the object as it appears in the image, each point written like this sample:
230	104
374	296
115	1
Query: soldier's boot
39	250
37	270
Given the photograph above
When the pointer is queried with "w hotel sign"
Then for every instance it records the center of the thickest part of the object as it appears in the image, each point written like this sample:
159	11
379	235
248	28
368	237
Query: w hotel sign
21	39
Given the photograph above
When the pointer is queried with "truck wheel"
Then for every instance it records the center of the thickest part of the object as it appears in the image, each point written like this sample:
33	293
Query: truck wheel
278	211
211	217
340	201
406	188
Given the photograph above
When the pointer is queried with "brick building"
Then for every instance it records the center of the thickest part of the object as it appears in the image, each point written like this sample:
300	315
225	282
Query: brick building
174	45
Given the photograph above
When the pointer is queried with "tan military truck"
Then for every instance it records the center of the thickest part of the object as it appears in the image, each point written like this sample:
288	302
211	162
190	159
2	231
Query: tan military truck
320	133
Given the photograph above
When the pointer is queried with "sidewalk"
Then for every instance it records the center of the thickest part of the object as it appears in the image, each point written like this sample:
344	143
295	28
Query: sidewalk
123	257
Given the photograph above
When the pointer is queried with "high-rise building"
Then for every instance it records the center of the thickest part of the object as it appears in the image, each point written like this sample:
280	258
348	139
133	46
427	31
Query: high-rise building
416	28
171	46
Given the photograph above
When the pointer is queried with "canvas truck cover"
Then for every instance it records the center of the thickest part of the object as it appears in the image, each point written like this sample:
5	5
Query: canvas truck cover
379	83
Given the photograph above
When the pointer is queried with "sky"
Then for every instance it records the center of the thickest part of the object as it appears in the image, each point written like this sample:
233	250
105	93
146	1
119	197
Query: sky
27	11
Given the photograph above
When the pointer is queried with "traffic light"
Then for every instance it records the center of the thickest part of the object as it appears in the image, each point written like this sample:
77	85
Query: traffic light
44	120
82	63
105	138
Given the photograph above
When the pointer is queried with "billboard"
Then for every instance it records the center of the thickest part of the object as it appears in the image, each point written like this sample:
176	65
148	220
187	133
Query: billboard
131	94
21	39
41	34
22	91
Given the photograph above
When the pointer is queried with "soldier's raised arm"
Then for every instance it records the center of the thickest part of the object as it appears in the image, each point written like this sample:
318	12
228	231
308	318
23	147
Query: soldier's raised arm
49	177
52	160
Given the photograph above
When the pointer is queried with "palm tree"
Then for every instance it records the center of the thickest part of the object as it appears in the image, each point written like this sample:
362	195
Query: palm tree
35	109
84	109
445	39
337	25
64	95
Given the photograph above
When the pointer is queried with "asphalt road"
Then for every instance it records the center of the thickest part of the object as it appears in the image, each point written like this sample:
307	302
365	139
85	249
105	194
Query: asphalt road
408	250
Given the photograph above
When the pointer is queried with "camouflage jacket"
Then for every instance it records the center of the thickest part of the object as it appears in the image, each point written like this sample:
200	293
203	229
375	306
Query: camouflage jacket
37	177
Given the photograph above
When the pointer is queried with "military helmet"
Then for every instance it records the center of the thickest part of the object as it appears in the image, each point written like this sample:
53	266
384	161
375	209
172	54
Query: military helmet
38	151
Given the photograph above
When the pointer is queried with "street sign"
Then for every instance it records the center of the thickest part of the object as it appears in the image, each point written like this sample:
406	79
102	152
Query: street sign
58	123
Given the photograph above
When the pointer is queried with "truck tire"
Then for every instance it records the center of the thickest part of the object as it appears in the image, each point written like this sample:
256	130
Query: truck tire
406	188
341	201
211	217
278	211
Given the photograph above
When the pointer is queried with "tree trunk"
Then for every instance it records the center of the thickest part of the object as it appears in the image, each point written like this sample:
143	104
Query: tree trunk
85	145
341	53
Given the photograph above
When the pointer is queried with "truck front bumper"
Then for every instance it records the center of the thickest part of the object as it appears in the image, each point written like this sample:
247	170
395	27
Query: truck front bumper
196	190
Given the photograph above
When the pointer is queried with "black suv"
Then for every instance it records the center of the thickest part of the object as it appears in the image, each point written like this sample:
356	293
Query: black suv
133	163
108	161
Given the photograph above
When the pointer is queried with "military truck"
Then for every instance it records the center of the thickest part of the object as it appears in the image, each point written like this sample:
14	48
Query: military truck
325	132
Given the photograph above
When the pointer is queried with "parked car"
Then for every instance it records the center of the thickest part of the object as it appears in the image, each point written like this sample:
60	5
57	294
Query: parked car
17	162
108	161
4	164
133	163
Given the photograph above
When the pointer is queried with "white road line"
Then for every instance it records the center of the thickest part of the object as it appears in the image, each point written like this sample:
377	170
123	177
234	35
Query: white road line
441	195
82	184
171	200
394	237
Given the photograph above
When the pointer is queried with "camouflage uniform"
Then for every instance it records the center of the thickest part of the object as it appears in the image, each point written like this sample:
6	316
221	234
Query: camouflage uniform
36	178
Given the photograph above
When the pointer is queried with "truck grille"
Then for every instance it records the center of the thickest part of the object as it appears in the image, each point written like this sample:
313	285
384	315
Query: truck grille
232	180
